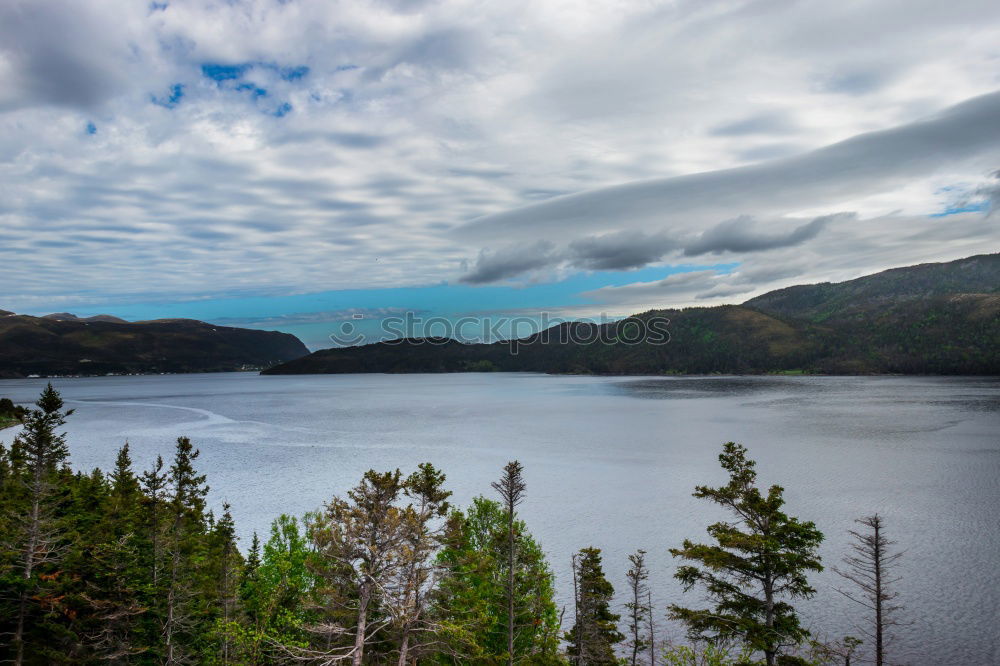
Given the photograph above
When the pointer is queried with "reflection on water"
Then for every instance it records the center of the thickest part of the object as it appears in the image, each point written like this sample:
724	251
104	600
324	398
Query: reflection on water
610	462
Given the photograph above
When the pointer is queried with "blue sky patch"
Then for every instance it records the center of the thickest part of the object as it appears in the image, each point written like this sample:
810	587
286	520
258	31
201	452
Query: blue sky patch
254	90
220	73
91	128
172	99
975	207
293	73
282	110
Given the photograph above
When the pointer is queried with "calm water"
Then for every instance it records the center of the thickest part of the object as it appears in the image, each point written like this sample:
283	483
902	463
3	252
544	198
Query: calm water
610	462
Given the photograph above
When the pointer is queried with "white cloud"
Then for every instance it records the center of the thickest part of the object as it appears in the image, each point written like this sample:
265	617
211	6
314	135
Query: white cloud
416	118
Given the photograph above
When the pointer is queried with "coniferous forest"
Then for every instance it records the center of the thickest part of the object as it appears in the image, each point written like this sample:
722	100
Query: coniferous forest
130	566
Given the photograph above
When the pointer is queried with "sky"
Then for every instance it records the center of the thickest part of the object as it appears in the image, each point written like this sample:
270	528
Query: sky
306	165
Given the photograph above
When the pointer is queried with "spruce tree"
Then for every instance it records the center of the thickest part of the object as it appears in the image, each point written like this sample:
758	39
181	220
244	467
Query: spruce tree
186	509
471	598
594	634
755	563
511	488
37	538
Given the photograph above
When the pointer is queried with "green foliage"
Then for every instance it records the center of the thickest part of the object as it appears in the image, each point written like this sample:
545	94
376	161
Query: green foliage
755	562
594	635
471	599
706	655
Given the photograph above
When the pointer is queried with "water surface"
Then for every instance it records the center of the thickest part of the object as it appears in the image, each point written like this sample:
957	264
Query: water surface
610	462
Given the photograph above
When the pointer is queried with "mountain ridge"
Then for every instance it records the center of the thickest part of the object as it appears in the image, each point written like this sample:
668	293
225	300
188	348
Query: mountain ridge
909	320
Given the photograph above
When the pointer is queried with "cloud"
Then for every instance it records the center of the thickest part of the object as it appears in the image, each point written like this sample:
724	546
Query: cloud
509	262
619	251
761	123
966	133
345	145
54	53
740	235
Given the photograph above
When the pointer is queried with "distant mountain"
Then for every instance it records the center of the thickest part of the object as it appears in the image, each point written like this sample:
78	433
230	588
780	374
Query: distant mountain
68	345
928	319
65	316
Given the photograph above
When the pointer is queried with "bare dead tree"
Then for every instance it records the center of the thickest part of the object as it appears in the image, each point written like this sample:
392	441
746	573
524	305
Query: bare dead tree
652	628
511	487
870	568
638	611
424	531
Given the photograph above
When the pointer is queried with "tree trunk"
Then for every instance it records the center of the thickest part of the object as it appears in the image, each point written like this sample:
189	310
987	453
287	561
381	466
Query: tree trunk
877	561
404	647
771	653
359	638
652	638
510	586
34	529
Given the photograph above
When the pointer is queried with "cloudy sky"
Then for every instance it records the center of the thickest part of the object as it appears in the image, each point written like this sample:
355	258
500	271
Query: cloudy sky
292	163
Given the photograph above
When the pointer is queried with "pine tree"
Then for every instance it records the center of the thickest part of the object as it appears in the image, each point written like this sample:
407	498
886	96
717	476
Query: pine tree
756	561
37	539
186	514
471	598
594	635
225	561
511	488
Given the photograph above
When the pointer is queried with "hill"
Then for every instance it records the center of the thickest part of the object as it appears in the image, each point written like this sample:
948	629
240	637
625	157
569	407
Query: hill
97	346
928	319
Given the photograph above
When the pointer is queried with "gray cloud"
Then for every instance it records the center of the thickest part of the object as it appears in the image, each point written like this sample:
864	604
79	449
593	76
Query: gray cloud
58	54
740	235
619	251
510	262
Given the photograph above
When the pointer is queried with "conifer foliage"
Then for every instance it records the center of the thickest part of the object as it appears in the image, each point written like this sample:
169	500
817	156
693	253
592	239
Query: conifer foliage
135	568
756	564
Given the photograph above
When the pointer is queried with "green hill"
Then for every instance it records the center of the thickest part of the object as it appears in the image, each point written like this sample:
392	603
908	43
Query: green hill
98	346
928	319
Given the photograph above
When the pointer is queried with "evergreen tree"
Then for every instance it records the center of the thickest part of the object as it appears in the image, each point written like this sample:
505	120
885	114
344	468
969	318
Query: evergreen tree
511	488
755	563
225	563
471	600
183	547
38	452
594	634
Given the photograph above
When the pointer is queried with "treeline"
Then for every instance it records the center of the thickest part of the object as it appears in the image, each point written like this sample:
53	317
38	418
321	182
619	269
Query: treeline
132	568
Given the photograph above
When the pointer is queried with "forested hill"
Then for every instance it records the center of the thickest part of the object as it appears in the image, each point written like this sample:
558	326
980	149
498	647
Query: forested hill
65	345
928	319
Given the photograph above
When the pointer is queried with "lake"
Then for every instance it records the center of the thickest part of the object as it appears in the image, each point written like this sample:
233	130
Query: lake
610	462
